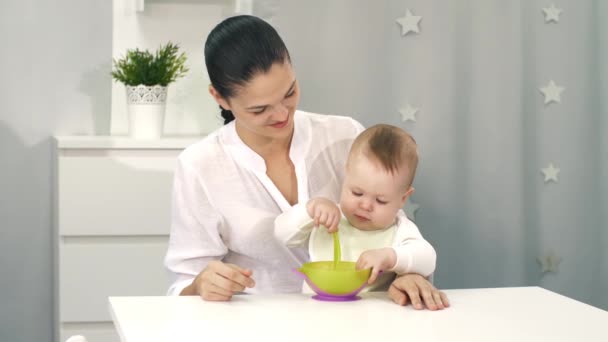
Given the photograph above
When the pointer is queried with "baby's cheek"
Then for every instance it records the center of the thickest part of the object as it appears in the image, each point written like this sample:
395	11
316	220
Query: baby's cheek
387	216
345	205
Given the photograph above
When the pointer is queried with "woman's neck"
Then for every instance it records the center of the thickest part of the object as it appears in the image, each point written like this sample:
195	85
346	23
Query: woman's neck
264	146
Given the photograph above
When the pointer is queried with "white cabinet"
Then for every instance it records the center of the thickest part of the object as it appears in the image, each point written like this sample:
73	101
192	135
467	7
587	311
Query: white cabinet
112	219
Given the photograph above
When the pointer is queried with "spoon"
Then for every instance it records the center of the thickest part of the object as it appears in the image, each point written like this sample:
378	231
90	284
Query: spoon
337	252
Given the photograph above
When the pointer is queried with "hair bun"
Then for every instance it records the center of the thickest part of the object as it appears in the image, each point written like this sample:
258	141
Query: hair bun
227	115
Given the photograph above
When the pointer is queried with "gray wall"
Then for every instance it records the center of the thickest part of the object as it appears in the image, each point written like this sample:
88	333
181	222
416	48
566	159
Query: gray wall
54	63
483	130
601	8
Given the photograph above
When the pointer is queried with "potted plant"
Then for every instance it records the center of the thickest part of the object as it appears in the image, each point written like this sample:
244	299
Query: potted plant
146	77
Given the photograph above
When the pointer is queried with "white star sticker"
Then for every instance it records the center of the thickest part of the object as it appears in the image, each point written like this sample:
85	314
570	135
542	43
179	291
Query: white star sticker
550	173
408	113
552	13
410	209
549	262
409	23
552	92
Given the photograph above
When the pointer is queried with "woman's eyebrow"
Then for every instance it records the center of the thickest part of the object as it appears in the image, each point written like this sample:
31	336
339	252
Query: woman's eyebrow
293	84
256	107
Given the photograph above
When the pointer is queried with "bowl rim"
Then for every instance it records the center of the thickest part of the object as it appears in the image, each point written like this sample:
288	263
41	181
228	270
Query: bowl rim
313	263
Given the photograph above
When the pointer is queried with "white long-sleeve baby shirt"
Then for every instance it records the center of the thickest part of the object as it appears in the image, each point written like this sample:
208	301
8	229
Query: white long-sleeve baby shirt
295	229
224	204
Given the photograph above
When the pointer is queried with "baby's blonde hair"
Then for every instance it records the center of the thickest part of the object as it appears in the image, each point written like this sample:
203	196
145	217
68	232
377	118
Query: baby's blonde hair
392	147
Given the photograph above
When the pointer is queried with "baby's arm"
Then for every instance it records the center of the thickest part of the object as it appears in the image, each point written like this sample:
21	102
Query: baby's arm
293	227
414	254
410	253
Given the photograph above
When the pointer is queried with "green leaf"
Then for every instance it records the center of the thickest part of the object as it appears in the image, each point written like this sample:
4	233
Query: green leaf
142	67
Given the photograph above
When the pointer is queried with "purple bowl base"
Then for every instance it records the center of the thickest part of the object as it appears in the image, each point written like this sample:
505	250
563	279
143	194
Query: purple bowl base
330	298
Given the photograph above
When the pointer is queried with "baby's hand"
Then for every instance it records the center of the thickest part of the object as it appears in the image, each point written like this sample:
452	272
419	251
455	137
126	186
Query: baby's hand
324	212
378	259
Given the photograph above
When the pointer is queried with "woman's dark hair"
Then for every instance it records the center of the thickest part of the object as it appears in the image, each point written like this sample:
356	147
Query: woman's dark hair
237	49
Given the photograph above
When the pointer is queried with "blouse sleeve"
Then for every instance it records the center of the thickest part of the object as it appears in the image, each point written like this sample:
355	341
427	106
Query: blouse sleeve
414	253
194	239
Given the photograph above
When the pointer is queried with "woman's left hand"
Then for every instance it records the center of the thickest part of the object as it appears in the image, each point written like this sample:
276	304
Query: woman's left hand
417	290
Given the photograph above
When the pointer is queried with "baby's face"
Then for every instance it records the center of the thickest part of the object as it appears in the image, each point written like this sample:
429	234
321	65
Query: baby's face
371	196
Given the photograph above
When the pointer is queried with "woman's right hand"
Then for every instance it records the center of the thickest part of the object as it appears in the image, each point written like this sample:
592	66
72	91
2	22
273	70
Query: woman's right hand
220	281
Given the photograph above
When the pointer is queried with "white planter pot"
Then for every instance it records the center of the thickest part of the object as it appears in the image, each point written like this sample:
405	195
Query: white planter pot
146	108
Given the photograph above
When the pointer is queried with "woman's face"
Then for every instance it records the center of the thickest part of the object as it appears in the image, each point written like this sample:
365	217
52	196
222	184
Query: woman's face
265	106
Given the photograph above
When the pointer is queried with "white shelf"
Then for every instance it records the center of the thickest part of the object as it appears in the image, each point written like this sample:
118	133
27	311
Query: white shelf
121	142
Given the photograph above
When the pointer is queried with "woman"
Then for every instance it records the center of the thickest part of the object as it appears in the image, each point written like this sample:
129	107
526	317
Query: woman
229	187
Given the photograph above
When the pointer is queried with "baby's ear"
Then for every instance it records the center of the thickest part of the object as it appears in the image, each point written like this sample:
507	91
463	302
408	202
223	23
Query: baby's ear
407	194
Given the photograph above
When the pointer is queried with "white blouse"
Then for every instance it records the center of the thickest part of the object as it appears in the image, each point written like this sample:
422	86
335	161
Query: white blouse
224	205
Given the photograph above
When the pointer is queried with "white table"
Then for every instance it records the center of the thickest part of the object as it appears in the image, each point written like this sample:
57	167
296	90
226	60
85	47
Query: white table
500	314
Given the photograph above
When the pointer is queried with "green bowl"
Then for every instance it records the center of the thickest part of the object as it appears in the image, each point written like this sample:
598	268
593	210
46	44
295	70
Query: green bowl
341	280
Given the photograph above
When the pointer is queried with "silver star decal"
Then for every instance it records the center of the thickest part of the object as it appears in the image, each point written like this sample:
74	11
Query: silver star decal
550	172
549	262
552	13
552	92
408	113
409	23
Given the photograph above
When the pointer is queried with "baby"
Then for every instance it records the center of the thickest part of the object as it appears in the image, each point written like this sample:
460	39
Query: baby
373	229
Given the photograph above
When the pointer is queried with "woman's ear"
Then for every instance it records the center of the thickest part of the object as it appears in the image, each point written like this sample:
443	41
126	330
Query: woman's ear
218	98
407	194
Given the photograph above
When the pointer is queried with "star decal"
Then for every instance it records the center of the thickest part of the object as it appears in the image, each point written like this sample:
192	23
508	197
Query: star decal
552	92
410	209
552	13
409	23
549	262
408	113
550	172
